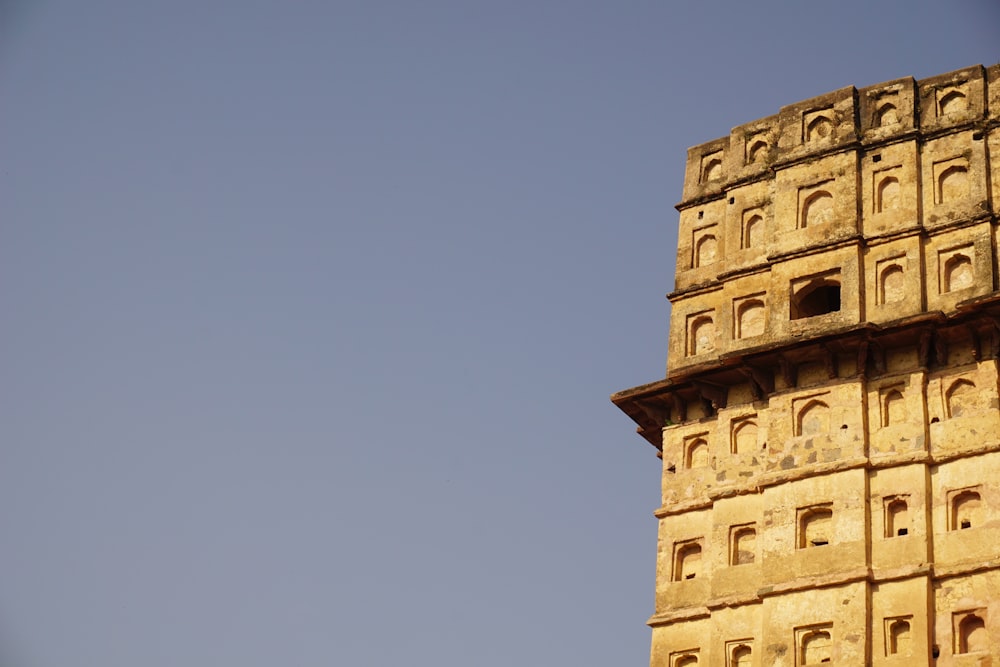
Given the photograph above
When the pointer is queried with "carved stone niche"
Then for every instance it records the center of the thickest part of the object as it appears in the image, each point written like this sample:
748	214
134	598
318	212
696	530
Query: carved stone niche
887	109
952	99
817	125
748	222
815	204
705	174
701	245
753	147
959	266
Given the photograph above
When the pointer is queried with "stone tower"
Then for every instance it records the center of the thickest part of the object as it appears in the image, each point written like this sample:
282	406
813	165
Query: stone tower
829	423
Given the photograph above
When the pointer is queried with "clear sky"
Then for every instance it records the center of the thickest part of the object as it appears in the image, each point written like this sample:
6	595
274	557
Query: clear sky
311	310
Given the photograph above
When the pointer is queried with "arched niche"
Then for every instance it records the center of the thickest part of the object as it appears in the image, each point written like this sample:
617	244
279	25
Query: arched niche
750	318
819	128
705	250
966	510
753	232
887	194
696	454
972	636
702	337
686	661
813	419
744	436
891	287
899	639
712	171
897	518
816	647
959	397
893	408
744	547
953	184
815	526
887	115
817	209
952	102
741	656
958	273
757	151
687	563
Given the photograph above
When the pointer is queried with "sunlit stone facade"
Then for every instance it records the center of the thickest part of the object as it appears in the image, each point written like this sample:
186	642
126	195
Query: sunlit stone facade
829	423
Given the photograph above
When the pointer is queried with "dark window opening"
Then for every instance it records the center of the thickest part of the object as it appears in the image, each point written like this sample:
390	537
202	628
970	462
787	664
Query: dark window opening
876	158
966	524
902	531
689	576
819	300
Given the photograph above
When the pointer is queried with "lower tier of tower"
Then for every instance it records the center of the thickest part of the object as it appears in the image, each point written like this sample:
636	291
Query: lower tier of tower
891	566
920	618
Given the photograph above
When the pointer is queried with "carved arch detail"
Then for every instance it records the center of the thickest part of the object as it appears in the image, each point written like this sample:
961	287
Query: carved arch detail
959	397
817	209
952	184
813	418
887	194
887	115
701	338
952	102
891	285
712	170
958	273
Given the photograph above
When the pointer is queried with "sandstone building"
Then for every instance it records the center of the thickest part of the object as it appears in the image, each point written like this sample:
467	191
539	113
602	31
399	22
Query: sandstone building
829	423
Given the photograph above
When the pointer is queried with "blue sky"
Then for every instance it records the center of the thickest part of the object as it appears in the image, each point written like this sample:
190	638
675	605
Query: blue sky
311	311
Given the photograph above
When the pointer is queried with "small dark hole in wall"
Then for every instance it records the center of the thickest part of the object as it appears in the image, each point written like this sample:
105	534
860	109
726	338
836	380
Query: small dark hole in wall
934	420
876	158
843	426
966	524
935	652
732	200
819	543
689	576
701	214
977	136
764	446
902	531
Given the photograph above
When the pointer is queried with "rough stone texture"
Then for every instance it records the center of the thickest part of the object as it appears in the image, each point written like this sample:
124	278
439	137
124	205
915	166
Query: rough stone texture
829	425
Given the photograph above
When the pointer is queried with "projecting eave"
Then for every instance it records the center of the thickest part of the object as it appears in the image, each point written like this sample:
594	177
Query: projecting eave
771	367
648	405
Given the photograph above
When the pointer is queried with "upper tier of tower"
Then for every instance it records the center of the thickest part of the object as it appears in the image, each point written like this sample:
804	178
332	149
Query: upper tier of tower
859	207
